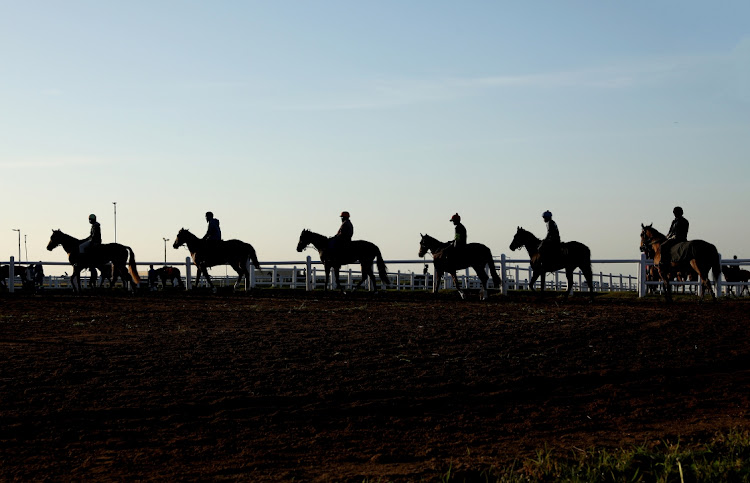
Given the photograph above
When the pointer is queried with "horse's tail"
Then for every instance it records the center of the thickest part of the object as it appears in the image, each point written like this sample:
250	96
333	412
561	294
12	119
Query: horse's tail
496	279
716	266
584	262
253	256
132	267
382	269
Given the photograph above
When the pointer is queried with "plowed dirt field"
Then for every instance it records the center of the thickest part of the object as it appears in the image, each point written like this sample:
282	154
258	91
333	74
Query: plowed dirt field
284	385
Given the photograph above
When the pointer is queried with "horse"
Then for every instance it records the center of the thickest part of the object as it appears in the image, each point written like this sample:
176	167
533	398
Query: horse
474	255
683	274
652	275
358	250
733	273
24	273
572	255
169	274
208	253
698	255
121	257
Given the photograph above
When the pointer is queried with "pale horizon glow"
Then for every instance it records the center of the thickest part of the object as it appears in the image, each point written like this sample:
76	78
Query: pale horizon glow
277	116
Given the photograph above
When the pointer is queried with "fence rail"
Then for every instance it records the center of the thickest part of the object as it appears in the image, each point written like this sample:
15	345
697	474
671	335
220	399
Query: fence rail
515	273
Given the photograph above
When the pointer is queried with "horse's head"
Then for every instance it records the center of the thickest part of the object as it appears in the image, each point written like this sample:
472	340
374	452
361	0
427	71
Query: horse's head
181	238
304	240
648	236
55	240
427	244
519	239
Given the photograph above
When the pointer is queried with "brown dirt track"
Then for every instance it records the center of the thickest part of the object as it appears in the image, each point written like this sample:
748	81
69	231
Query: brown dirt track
287	385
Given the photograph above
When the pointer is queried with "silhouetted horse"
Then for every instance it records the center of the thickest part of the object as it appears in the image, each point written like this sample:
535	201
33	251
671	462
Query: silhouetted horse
683	274
121	257
360	251
733	273
474	255
170	274
700	255
572	255
24	273
205	253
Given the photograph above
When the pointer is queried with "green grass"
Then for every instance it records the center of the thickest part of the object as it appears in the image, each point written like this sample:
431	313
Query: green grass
724	457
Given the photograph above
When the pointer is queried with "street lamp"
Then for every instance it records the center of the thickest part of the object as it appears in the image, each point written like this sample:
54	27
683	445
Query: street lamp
165	249
19	243
25	248
115	203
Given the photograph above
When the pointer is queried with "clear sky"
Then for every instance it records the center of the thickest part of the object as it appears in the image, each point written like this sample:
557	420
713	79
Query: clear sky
278	115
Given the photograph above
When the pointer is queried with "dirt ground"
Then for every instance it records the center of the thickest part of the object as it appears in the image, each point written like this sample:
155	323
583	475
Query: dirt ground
286	385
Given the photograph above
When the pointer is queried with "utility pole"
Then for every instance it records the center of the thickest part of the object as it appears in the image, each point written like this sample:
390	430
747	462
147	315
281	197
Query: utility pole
115	203
19	243
165	249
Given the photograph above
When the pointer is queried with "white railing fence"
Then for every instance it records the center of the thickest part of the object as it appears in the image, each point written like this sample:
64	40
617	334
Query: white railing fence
515	273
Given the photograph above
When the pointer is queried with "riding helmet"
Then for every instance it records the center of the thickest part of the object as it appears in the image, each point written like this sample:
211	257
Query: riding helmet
92	217
677	211
344	214
455	217
547	214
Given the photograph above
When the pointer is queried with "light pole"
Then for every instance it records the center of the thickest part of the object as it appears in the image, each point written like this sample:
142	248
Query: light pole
19	243
115	204
25	248
165	249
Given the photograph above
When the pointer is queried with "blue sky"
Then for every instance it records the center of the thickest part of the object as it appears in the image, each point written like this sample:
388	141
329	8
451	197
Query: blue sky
279	115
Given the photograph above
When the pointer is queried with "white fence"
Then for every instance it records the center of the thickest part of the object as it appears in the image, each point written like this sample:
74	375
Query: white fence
516	274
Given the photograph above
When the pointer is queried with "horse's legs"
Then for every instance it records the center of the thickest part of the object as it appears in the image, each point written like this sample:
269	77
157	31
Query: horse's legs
569	276
75	279
365	276
241	272
371	275
534	277
455	282
482	276
705	281
437	280
336	277
198	270
664	275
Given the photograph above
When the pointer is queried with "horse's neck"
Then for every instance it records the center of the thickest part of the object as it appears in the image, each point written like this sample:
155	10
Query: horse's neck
70	244
319	241
434	245
193	242
531	243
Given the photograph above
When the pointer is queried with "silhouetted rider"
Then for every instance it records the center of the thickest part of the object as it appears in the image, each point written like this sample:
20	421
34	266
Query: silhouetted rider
678	231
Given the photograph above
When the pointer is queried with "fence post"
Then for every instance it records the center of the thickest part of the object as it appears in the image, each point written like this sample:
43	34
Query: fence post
503	277
308	273
642	276
252	280
11	275
188	275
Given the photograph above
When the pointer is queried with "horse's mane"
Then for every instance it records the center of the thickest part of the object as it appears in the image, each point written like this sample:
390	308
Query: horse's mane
654	232
431	238
527	232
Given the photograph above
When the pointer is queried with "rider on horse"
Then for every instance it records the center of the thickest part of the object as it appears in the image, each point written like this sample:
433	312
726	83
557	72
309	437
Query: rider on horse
549	248
459	240
214	232
678	231
342	239
459	237
95	237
